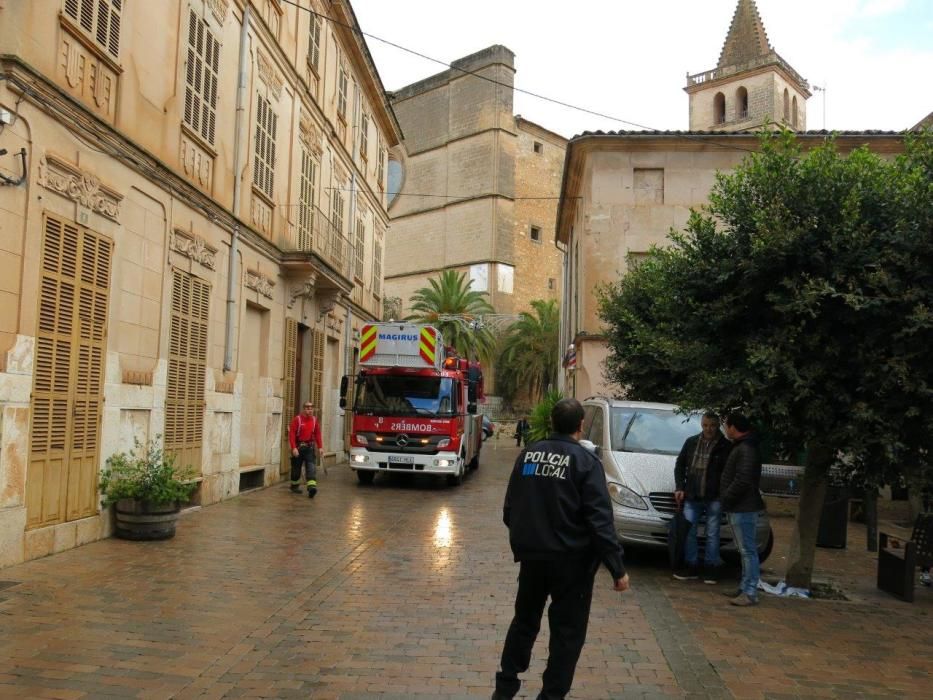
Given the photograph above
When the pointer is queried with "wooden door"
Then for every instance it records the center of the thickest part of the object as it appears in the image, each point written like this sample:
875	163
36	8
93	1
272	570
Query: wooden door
67	401
290	372
187	363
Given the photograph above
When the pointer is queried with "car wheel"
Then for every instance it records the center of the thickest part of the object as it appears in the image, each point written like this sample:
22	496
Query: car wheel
474	463
365	476
456	479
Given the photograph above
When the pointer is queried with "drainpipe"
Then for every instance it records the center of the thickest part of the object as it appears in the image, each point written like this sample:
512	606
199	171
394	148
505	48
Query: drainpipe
237	177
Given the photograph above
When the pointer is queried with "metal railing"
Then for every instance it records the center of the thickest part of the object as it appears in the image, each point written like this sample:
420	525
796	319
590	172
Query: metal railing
315	233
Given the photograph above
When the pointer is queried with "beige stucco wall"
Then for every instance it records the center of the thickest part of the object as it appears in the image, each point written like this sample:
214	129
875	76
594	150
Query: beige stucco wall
120	161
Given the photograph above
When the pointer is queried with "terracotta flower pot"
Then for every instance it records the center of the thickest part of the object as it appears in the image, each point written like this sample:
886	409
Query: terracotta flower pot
142	520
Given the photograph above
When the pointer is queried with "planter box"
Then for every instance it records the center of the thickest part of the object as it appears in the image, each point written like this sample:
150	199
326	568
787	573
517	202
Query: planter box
141	520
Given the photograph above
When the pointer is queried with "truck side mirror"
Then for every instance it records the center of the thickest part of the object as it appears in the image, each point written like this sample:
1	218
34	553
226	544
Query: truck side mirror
471	408
344	382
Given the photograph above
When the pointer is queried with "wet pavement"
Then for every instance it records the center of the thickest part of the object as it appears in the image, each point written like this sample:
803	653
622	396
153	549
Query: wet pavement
404	589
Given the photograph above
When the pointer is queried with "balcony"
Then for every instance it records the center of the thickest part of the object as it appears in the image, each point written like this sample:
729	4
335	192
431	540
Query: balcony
314	242
724	72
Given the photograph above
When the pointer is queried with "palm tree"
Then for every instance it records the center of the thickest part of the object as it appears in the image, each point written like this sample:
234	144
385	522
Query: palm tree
530	350
449	294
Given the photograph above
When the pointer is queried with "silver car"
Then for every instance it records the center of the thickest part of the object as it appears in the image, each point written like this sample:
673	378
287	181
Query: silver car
638	444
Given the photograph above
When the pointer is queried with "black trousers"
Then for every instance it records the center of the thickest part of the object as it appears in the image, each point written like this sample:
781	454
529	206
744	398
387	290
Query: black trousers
569	583
307	458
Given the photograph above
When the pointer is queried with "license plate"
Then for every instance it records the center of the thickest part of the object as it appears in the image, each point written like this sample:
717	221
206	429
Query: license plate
401	460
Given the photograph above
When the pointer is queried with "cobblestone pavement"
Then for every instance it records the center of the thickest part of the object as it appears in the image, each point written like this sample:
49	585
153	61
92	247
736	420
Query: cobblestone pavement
404	589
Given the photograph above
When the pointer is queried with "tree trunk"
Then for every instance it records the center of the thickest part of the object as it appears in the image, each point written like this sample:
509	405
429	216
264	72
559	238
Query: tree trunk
803	540
870	504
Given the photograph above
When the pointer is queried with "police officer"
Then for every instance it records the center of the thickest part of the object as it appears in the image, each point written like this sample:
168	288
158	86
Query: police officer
560	524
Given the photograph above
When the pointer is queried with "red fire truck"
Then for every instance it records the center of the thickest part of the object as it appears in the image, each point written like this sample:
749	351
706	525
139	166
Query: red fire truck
414	407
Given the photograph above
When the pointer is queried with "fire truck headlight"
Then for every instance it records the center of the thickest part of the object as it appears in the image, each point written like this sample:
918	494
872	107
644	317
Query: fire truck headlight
442	462
444	443
360	440
359	459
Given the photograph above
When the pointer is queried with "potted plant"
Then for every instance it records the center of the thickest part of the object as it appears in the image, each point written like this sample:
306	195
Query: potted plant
147	490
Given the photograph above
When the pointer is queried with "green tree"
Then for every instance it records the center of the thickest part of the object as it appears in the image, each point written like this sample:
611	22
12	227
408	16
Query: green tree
540	421
804	296
529	352
449	295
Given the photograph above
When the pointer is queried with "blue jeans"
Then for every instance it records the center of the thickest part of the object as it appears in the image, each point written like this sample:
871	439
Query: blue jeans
712	511
744	526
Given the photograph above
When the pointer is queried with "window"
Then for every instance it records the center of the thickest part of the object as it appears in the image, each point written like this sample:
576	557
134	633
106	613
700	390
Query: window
551	282
360	242
786	105
396	178
741	103
377	269
264	160
100	19
380	162
201	78
539	147
314	45
535	234
306	201
793	112
364	135
336	211
343	83
719	108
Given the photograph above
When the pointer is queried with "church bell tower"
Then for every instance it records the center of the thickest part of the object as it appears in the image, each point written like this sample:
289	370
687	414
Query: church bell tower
751	86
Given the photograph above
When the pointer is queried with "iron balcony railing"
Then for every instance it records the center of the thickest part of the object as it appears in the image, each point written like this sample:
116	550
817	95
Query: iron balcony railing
315	233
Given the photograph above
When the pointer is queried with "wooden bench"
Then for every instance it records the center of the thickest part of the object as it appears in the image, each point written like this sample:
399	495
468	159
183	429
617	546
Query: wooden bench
898	559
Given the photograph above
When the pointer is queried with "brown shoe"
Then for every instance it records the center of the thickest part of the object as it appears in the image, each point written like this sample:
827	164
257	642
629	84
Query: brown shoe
743	600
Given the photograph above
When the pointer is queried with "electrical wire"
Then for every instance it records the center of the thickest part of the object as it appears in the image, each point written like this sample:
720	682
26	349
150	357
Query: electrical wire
536	95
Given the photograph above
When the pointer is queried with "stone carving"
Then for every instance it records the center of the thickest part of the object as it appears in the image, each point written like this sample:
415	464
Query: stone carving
340	174
197	164
89	74
194	247
309	134
269	75
219	8
327	302
362	207
261	214
304	290
70	181
258	282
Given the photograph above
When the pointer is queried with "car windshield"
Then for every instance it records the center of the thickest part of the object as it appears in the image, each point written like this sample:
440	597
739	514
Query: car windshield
651	430
405	395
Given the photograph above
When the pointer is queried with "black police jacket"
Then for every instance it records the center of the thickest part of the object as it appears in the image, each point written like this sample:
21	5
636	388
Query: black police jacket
741	477
557	506
686	481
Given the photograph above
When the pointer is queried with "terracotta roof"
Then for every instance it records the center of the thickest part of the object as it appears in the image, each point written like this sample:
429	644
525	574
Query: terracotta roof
727	134
747	38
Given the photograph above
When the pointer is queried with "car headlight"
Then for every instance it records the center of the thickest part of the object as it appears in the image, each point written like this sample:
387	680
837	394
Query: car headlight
360	440
624	496
443	443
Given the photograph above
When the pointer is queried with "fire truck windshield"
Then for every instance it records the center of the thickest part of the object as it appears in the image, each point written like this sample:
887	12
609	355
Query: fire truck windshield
385	395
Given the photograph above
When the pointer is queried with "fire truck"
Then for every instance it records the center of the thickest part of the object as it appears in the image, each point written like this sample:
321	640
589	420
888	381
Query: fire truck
414	405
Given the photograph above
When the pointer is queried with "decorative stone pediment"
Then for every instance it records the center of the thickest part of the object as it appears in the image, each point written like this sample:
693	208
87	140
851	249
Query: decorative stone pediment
193	246
309	134
81	186
302	290
219	8
258	282
340	174
362	207
269	75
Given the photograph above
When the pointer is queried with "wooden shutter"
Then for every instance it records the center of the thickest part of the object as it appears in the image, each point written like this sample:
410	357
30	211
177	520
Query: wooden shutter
187	364
288	399
318	342
68	380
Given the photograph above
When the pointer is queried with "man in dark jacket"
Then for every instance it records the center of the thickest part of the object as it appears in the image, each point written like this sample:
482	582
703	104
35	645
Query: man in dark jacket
741	499
560	524
696	474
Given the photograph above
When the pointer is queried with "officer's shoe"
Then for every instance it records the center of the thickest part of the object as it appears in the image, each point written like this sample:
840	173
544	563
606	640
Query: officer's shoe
312	489
294	488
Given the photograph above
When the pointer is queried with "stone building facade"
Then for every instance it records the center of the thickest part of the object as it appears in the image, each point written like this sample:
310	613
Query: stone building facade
623	192
190	242
479	187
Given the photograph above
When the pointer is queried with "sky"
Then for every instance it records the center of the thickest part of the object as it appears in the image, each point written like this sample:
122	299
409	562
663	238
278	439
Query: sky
629	60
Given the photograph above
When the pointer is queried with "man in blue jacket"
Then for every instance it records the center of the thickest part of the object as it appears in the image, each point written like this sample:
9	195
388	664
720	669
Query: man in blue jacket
560	524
